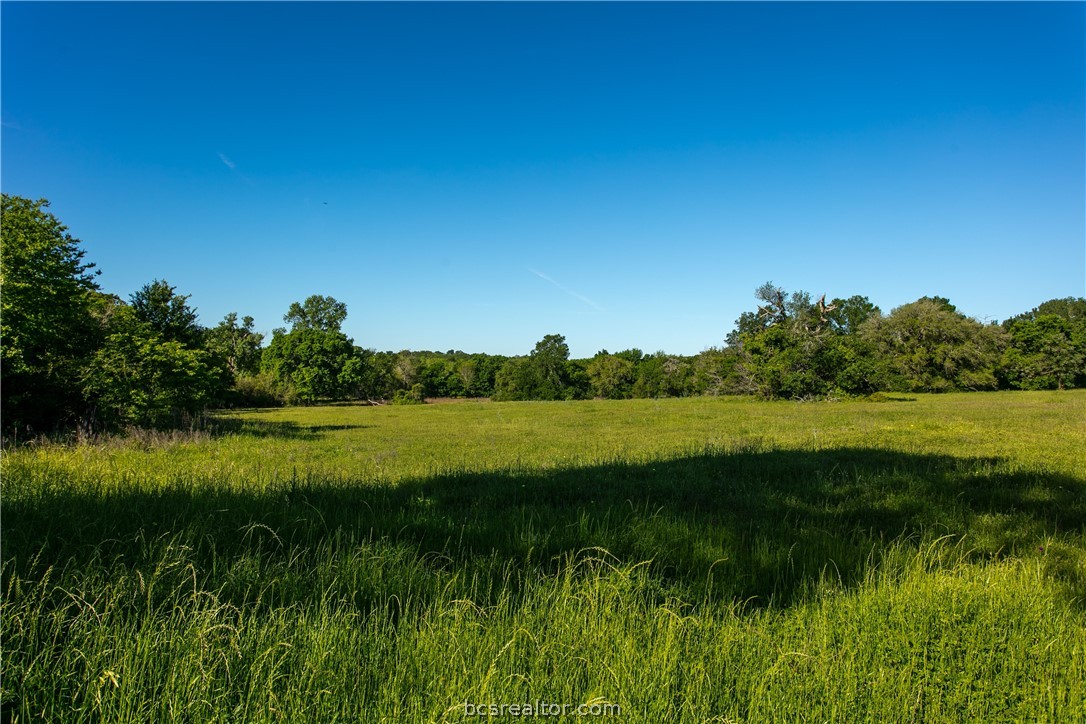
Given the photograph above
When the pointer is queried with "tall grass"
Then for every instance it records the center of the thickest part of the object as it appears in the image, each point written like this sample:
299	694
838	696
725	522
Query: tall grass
686	560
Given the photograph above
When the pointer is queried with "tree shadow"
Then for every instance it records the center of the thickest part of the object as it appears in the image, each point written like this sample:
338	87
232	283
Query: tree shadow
756	526
221	426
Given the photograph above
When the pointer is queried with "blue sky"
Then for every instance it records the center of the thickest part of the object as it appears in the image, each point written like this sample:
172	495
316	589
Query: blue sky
475	176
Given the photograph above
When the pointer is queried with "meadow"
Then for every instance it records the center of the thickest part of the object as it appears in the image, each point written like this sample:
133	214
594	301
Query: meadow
911	558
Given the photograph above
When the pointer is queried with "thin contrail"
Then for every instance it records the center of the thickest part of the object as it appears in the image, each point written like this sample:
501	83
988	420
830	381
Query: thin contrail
567	290
234	167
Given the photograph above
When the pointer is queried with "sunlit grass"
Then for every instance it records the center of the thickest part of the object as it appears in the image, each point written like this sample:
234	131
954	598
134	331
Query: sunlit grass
916	559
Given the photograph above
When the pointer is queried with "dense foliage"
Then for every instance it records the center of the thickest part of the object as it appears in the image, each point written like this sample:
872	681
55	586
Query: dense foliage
72	355
1048	346
141	377
313	363
47	331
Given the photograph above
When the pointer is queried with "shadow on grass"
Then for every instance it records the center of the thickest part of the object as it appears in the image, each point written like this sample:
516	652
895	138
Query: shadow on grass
283	429
758	526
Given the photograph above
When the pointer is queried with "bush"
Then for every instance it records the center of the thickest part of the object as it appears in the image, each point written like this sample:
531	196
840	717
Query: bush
415	396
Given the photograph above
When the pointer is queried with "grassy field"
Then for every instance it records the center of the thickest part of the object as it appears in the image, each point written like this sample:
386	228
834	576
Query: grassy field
916	559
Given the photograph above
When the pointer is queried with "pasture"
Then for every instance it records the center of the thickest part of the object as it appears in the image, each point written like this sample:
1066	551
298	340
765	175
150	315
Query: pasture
919	558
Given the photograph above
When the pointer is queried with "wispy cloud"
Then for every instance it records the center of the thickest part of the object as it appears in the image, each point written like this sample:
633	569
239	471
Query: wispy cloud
234	167
567	290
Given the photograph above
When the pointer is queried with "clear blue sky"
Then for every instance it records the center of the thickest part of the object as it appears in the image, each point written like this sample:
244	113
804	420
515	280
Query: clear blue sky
475	176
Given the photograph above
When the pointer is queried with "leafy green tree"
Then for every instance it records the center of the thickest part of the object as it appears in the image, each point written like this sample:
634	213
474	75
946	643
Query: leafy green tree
1073	309
661	375
846	315
850	361
478	373
633	355
366	376
380	382
47	331
440	375
715	371
238	346
315	359
467	371
748	323
317	312
774	308
550	365
929	346
313	363
516	380
1046	352
678	375
780	362
139	377
405	369
610	376
794	350
577	384
940	302
167	313
545	374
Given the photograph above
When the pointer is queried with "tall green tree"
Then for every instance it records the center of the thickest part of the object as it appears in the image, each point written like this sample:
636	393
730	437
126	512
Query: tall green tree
167	313
545	374
139	377
47	331
238	346
550	362
315	360
317	312
313	363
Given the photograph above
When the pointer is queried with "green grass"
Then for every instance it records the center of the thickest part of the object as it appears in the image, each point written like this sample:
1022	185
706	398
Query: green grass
918	559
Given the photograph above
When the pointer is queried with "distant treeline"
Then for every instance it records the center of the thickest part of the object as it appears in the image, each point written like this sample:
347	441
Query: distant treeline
74	356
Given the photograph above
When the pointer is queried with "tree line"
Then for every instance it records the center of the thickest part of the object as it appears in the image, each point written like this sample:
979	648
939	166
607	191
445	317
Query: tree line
72	355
